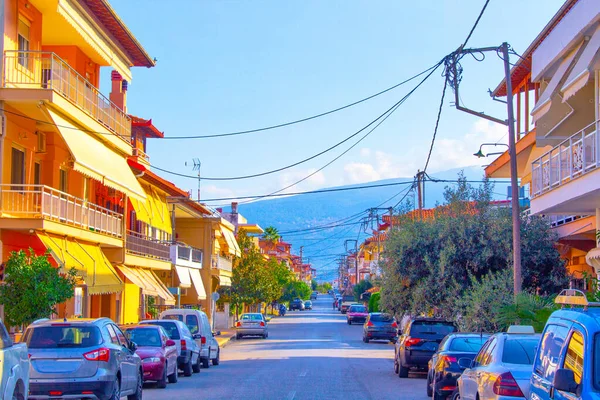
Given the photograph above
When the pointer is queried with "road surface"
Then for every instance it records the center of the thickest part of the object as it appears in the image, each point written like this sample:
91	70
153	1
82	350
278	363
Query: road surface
312	354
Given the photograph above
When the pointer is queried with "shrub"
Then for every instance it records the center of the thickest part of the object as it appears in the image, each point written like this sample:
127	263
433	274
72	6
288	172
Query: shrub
374	302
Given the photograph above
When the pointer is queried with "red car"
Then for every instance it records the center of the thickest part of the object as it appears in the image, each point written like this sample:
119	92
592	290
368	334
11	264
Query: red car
357	313
157	351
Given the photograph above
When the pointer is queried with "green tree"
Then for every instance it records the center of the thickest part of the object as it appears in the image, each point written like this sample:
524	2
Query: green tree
374	302
249	284
33	287
271	234
314	284
296	289
527	309
360	288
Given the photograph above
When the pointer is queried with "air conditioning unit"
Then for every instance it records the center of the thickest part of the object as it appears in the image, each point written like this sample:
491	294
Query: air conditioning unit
41	142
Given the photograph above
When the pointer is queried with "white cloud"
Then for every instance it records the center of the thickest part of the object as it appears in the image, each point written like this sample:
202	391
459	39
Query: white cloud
316	180
365	152
360	172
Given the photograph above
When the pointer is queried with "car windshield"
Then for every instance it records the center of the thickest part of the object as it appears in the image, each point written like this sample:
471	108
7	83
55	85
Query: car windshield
467	344
170	328
432	327
520	350
361	309
382	318
251	317
144	336
53	337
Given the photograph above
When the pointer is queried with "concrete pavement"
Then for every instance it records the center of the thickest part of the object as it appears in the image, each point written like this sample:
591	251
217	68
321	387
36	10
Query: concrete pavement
308	355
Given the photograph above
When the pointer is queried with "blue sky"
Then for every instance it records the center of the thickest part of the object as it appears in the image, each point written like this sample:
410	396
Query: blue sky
233	65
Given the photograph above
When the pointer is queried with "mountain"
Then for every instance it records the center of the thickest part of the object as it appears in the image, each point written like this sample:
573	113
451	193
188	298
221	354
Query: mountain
290	215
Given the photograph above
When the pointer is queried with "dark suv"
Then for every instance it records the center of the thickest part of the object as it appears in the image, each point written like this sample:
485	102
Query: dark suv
296	304
418	342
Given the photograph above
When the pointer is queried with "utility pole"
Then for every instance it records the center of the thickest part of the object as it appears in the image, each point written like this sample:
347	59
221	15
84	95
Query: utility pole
510	123
355	254
420	190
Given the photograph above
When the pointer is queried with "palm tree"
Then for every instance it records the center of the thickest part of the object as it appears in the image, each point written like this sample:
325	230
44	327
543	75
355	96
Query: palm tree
271	234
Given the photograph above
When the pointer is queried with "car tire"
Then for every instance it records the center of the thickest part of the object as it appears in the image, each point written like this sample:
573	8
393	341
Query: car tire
364	339
162	383
18	393
396	367
455	395
116	393
217	360
435	395
205	362
429	387
349	322
174	377
196	367
139	388
367	340
238	336
402	370
188	368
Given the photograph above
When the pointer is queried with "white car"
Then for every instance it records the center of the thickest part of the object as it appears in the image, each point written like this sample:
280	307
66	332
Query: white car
501	370
14	367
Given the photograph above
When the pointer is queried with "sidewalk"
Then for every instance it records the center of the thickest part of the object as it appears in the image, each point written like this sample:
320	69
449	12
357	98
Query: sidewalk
225	337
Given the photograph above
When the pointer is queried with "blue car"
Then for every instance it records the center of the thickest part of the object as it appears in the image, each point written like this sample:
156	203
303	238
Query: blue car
567	361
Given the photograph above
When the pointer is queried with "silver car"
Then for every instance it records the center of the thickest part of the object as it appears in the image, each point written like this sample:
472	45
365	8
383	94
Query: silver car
251	324
501	370
75	358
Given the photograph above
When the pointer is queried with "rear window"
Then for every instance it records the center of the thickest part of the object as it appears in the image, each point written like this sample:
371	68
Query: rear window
358	309
252	317
382	318
174	317
170	328
467	345
53	337
432	328
144	336
520	351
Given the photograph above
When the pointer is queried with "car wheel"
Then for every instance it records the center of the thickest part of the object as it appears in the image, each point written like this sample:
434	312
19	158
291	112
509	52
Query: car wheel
187	368
238	336
174	377
205	363
18	393
116	393
429	388
455	395
367	340
402	370
196	367
138	389
349	322
395	365
436	396
162	383
364	339
217	360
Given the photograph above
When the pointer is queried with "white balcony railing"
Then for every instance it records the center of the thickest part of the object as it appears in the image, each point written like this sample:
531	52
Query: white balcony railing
220	262
571	159
187	256
43	202
46	70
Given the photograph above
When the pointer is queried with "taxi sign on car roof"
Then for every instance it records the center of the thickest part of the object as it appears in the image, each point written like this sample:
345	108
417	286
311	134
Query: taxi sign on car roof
520	329
574	297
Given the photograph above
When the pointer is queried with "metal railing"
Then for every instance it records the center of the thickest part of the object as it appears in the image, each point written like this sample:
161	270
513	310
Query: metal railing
223	263
573	158
142	245
43	202
46	70
183	252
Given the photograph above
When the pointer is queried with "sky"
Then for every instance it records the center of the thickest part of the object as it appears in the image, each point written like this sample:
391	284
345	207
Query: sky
228	66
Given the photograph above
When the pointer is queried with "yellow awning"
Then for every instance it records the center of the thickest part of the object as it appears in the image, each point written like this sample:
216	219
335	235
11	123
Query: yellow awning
184	277
154	210
88	259
198	284
232	243
94	159
224	280
148	282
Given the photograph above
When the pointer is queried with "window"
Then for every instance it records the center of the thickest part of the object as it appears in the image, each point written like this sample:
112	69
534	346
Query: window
519	351
551	345
17	171
112	333
52	337
120	335
147	337
574	358
170	328
37	173
467	344
192	323
23	33
63	182
481	354
489	352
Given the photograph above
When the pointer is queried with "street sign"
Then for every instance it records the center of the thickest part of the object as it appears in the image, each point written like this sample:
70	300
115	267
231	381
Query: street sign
215	296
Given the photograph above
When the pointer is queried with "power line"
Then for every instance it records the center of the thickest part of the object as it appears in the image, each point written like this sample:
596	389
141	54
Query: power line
475	25
437	123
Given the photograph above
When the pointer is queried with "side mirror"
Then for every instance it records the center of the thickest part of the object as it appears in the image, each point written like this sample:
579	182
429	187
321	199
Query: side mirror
465	362
132	346
564	380
170	342
217	333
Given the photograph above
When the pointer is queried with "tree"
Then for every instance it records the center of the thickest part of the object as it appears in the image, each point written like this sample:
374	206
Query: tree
360	288
296	289
271	234
248	284
314	284
33	287
374	302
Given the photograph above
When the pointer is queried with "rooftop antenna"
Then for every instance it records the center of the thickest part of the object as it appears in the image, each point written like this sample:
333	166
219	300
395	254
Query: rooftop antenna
196	167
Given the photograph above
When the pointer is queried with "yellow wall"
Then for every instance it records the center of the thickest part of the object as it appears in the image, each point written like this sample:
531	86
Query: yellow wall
12	10
131	303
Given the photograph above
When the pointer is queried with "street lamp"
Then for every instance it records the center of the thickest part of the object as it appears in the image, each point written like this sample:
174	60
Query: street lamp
480	154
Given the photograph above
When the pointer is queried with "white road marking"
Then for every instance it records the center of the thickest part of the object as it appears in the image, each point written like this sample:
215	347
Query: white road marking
291	395
303	373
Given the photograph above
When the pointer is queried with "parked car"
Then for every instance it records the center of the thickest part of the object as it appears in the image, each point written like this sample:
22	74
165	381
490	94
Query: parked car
198	324
566	364
502	368
188	351
444	370
297	304
380	326
251	324
157	351
356	313
75	358
346	302
308	305
14	367
314	295
418	342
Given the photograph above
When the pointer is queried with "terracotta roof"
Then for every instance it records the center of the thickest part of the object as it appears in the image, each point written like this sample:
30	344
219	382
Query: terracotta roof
145	127
522	66
113	24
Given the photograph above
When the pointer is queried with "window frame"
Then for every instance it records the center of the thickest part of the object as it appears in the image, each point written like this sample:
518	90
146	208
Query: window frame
23	59
37	172
14	184
564	360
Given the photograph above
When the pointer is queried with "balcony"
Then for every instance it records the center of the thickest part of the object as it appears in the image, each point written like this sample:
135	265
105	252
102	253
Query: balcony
46	203
186	256
145	246
222	263
45	70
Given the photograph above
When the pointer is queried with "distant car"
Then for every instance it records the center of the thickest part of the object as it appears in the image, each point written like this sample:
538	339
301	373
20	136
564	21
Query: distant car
418	342
356	313
380	326
188	351
501	369
308	305
297	304
76	358
444	370
346	302
157	351
14	367
314	295
251	324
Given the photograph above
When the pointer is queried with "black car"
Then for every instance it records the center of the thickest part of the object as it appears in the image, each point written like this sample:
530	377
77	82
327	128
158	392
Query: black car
443	367
296	304
418	342
380	326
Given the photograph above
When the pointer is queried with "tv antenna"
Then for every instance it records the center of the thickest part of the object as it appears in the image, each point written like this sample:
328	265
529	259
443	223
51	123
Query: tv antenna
196	167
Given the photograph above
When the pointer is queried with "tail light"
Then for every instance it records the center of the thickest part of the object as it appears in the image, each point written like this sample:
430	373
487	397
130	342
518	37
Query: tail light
449	359
203	340
262	323
506	385
97	355
183	344
394	325
370	323
238	324
412	341
55	393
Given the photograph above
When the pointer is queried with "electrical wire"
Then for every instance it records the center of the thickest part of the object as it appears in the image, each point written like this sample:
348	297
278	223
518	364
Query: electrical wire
437	123
475	25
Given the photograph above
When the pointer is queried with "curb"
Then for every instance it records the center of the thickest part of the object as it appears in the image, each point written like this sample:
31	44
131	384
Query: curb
225	341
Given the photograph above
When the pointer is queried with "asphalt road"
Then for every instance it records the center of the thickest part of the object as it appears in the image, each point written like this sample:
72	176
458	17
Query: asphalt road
308	355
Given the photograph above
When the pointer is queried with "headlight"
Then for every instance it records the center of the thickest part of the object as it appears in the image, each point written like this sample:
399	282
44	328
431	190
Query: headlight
151	360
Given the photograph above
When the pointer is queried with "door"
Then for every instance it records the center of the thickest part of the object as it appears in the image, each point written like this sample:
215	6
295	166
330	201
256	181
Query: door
214	345
129	371
469	377
195	327
574	358
547	359
118	351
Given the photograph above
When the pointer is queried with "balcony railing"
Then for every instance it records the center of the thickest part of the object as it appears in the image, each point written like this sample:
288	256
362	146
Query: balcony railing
222	263
145	246
43	202
571	159
45	70
185	255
